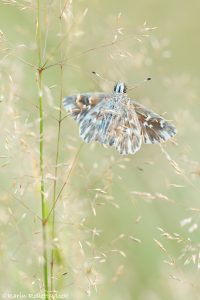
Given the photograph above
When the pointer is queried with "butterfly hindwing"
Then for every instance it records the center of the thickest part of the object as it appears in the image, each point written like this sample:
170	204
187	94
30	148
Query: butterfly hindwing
112	123
127	137
93	127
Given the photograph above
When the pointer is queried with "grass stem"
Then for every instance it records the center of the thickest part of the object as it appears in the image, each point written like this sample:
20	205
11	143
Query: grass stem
55	183
41	146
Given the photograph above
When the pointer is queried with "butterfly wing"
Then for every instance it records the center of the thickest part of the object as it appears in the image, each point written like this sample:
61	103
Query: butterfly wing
79	105
111	123
125	132
121	123
154	128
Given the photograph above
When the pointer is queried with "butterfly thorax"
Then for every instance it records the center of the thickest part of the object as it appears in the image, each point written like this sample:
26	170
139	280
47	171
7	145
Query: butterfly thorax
119	95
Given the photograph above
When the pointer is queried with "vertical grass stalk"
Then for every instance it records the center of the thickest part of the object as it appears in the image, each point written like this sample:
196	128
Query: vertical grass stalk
55	184
56	167
41	142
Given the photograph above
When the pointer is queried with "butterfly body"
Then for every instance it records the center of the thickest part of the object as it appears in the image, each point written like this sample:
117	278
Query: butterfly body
116	120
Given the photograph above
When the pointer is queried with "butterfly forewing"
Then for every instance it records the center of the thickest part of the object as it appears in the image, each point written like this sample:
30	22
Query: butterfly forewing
79	105
154	128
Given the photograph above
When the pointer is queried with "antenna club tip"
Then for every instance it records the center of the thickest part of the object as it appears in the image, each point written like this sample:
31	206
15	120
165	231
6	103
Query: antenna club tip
148	78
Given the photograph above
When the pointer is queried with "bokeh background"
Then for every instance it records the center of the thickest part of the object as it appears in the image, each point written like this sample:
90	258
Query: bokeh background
126	227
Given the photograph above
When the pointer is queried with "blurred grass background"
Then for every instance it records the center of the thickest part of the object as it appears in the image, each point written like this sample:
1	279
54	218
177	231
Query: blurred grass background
126	227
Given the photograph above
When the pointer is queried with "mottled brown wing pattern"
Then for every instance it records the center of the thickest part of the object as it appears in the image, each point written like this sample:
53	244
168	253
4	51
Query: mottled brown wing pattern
124	132
154	128
79	105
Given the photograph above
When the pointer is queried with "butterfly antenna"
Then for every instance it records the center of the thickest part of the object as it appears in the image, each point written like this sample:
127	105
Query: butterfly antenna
139	84
101	77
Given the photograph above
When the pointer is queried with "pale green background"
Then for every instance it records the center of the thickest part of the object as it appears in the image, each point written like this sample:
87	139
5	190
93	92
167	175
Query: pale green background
174	88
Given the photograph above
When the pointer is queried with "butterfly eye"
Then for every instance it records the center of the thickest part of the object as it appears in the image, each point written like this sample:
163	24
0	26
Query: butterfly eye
120	88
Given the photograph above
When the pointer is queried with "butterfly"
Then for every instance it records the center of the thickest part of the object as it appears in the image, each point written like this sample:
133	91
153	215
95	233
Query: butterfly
116	120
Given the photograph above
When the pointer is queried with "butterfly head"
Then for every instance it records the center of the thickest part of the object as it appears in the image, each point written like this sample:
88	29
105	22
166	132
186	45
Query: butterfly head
120	88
